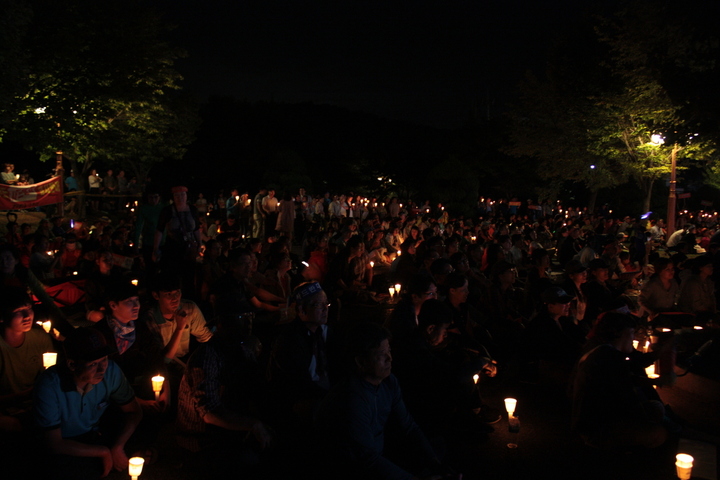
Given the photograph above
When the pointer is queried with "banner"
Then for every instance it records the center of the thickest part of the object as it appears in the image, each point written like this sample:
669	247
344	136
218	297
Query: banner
29	196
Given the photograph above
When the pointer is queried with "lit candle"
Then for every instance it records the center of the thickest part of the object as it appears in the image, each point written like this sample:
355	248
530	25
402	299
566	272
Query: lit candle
392	291
665	330
510	404
49	359
399	252
636	343
134	281
476	377
157	384
397	288
684	464
74	273
135	466
650	371
47	326
372	264
698	327
647	346
49	253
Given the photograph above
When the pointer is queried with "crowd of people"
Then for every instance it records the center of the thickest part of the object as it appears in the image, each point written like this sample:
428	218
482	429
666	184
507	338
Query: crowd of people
272	323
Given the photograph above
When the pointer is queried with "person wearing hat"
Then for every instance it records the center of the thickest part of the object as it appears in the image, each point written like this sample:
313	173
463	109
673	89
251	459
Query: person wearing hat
21	349
597	289
70	399
301	363
132	345
553	339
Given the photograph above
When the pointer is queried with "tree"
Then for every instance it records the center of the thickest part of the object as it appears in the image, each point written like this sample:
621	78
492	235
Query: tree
99	82
599	104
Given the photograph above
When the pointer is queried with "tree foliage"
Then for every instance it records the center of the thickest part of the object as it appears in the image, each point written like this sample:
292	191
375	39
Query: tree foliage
98	81
608	88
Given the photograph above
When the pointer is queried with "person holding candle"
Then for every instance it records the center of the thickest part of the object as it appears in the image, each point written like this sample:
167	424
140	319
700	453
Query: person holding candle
21	350
72	397
610	409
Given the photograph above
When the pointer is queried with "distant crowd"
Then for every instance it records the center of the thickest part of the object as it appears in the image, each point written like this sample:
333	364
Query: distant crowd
306	328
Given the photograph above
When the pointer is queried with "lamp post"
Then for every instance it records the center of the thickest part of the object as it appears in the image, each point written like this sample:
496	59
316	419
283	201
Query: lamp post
657	139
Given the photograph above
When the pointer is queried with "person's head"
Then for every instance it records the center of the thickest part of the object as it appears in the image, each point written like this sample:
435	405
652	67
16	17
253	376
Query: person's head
557	301
368	345
355	245
421	288
440	269
460	262
179	195
576	271
9	259
504	273
540	258
457	288
280	261
433	321
599	270
617	329
664	268
123	301
703	266
311	304
408	246
86	353
16	312
240	263
104	261
167	291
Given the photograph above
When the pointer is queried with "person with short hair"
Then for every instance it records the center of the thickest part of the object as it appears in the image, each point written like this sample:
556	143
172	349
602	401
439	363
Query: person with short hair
21	349
353	418
70	400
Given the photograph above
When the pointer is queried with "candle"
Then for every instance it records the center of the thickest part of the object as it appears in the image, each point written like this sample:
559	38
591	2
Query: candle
134	281
665	330
47	326
49	253
237	197
684	464
476	377
135	466
698	327
650	372
74	273
636	343
49	359
157	384
399	252
397	288
372	264
392	291
510	404
647	346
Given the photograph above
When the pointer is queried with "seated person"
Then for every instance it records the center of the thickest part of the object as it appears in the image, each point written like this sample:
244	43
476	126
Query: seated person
352	420
301	363
437	387
697	293
404	317
136	351
215	399
553	338
21	349
71	398
660	293
609	408
173	319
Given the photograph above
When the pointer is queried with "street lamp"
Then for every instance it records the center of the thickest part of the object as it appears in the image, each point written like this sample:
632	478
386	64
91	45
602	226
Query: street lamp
657	139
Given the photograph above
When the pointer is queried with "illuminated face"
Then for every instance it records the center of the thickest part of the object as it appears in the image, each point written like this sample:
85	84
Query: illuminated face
7	262
459	295
315	311
668	272
168	301
126	310
21	319
579	277
437	335
377	365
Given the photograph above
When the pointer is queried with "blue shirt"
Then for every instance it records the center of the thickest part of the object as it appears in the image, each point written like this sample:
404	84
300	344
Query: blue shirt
58	404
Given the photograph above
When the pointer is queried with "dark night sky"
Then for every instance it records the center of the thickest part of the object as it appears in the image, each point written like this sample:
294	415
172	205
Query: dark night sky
427	62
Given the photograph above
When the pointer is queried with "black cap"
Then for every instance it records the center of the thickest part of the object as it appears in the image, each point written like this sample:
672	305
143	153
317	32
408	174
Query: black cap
86	344
556	295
